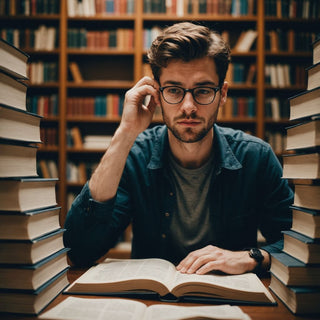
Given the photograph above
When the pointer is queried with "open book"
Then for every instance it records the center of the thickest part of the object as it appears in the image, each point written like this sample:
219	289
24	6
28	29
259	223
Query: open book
157	277
74	308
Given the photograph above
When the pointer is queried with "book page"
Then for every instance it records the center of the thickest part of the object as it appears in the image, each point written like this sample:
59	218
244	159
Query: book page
170	312
116	270
243	287
244	282
74	308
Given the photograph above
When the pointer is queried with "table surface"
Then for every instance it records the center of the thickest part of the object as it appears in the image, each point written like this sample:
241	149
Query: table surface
279	312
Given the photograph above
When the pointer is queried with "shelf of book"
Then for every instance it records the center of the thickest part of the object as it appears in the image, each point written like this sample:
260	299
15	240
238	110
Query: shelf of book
102	84
105	70
198	17
105	17
100	51
36	17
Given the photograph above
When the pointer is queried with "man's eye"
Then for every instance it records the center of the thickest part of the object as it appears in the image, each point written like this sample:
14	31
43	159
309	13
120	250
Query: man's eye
202	91
174	90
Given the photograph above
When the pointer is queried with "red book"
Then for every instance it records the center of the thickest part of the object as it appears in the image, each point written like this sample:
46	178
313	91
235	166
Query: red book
115	105
242	107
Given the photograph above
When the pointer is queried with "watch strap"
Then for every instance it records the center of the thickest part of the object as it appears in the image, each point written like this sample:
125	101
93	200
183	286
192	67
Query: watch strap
257	255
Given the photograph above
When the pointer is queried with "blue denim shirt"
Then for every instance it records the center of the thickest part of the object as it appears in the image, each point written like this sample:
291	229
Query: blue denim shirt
247	194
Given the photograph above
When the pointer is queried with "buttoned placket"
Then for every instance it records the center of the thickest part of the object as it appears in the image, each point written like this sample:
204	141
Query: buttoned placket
167	213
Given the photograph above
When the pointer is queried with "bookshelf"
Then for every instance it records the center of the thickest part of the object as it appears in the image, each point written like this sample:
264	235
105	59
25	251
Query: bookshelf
114	69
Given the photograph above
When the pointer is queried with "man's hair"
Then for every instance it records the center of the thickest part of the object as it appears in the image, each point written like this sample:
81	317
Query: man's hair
188	41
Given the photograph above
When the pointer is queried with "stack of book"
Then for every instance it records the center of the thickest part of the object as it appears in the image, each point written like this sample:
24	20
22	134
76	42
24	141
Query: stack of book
33	261
295	273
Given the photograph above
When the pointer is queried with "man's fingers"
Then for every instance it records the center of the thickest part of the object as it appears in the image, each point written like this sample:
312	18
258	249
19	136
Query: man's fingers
150	86
202	261
211	266
139	94
197	259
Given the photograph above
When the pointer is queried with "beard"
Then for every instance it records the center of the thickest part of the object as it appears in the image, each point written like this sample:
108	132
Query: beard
189	135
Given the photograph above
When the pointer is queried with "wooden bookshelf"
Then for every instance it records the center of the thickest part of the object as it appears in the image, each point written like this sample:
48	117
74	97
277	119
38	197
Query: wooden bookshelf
115	70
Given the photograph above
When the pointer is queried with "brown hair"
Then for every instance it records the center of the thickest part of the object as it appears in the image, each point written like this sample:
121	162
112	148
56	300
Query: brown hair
188	41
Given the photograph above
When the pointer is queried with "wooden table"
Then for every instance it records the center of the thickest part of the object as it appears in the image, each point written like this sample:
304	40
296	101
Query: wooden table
279	312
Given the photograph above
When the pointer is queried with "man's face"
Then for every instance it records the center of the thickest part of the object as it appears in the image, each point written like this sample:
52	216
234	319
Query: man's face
188	120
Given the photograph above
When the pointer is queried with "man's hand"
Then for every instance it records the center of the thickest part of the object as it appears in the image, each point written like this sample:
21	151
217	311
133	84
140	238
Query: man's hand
211	258
136	116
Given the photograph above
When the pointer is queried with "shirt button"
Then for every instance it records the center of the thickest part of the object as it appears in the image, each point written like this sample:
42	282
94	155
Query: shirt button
163	236
167	214
171	194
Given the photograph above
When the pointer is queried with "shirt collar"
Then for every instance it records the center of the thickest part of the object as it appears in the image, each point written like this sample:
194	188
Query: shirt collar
225	156
160	149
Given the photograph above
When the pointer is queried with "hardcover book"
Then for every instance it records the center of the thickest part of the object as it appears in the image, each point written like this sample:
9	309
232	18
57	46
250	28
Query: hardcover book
13	60
313	76
305	104
306	221
293	272
17	159
73	308
12	92
159	279
25	194
75	72
300	300
32	276
32	302
17	124
301	166
301	247
30	251
307	195
316	50
28	224
304	135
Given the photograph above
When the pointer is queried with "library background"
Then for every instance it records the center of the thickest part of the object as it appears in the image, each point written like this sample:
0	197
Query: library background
84	56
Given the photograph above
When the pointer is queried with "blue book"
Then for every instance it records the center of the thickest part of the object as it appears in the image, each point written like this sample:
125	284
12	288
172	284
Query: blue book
251	107
112	38
30	277
109	6
54	103
306	221
301	247
96	107
293	272
243	7
121	102
33	302
299	300
30	251
103	101
130	6
28	224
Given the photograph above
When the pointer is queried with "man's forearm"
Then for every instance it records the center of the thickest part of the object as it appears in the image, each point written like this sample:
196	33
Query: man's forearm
105	179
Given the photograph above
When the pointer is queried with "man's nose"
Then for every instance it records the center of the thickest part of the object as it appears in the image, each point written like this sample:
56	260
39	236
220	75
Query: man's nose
188	104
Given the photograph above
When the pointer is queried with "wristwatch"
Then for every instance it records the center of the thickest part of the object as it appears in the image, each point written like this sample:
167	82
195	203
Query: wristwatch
257	255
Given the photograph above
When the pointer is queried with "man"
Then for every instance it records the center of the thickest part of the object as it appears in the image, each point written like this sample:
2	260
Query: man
195	193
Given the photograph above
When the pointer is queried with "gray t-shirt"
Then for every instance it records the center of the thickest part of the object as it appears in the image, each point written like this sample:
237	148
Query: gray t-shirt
190	225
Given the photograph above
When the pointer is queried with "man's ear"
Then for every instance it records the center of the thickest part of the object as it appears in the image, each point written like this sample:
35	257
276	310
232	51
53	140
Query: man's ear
224	91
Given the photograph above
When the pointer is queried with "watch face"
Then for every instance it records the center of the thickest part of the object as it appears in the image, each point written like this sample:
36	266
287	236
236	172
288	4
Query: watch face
256	254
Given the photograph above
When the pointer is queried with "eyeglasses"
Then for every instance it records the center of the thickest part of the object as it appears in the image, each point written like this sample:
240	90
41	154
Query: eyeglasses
201	95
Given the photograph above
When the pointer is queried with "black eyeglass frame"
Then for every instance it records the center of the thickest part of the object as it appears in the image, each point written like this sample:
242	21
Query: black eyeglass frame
215	89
